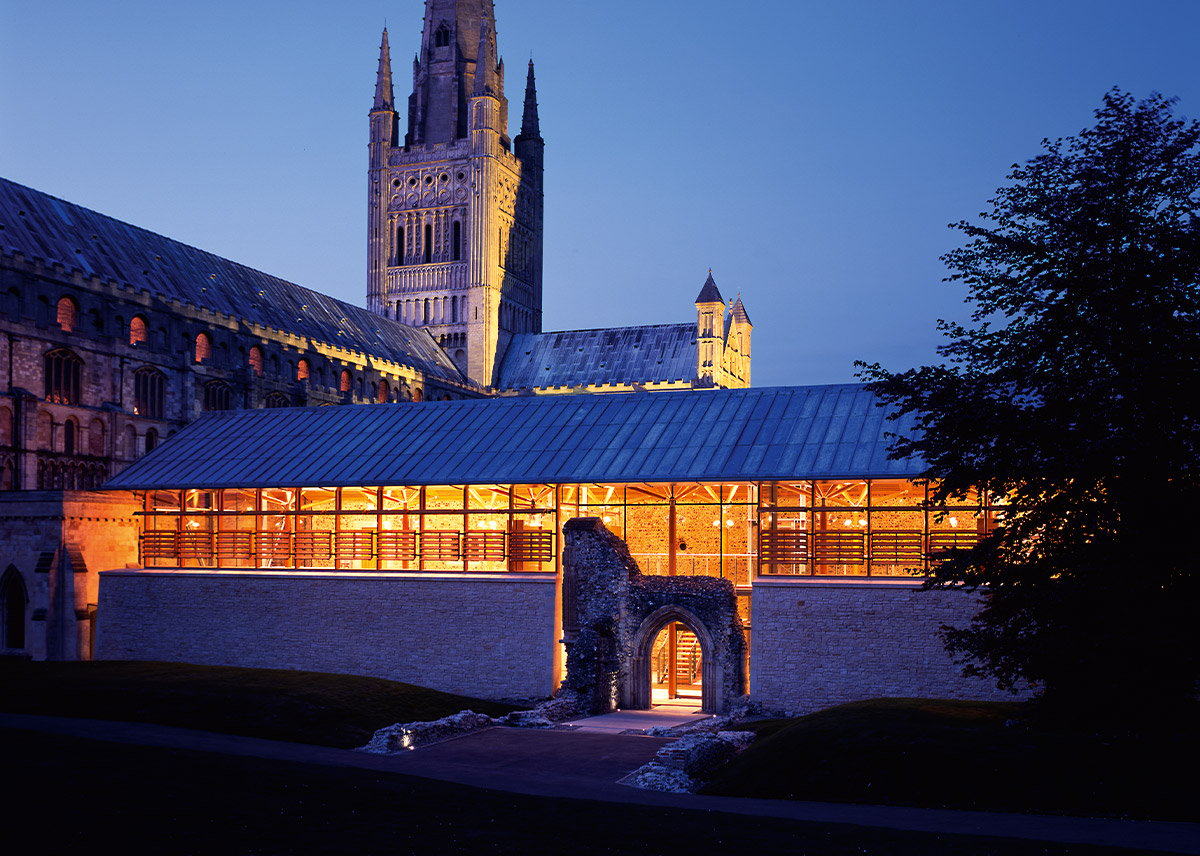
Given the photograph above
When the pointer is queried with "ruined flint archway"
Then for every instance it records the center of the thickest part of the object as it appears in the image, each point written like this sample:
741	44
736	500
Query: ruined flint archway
635	694
612	612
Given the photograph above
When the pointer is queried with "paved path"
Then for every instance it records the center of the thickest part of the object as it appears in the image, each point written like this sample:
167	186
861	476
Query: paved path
586	765
636	720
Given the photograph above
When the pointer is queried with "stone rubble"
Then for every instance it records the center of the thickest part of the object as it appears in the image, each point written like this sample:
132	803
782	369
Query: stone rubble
403	737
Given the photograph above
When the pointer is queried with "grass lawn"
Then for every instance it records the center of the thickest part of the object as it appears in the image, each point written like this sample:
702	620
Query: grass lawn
953	754
300	707
84	796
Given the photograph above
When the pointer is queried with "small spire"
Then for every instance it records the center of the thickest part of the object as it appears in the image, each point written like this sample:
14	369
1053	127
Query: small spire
530	126
738	311
485	65
383	80
709	293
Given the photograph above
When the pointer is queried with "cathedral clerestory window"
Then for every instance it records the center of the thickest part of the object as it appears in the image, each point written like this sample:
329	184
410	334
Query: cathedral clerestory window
66	314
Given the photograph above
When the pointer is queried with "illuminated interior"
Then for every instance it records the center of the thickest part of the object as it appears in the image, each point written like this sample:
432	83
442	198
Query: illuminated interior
675	667
831	528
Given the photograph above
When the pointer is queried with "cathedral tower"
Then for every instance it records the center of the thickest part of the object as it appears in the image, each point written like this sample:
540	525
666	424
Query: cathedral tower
455	208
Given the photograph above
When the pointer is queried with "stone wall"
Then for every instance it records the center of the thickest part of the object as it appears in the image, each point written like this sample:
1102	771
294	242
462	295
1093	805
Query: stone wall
57	541
492	636
612	613
821	643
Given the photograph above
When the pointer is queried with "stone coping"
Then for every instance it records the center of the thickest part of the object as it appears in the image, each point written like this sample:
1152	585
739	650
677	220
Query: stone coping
844	582
491	577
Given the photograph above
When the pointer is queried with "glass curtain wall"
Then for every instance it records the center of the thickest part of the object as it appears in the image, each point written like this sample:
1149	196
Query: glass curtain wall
833	527
489	528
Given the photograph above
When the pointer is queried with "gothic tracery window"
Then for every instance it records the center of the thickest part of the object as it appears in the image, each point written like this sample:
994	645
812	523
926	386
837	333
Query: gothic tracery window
441	38
63	372
217	395
255	360
137	330
277	399
149	393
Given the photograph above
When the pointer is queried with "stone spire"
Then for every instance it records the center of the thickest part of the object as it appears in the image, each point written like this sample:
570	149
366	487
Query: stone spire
384	99
530	126
485	62
451	57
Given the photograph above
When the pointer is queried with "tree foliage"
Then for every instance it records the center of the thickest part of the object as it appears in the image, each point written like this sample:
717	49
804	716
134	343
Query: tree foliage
1074	393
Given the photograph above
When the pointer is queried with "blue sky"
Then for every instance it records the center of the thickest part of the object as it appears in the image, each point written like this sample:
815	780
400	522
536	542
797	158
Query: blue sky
811	154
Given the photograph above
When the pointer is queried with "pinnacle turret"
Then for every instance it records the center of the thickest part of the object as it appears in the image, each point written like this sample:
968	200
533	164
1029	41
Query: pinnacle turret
384	99
530	125
709	293
485	62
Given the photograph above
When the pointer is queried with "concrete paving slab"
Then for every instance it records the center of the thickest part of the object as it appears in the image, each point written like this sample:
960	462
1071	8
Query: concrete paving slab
624	721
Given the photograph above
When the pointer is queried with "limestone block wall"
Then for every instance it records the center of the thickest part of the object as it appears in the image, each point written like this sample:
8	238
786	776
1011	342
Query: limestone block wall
821	643
487	636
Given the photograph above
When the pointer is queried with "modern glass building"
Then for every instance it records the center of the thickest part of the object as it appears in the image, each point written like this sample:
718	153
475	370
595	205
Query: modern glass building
758	486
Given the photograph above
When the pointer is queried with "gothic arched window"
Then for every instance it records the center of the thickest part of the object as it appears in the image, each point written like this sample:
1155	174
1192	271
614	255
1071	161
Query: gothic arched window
399	245
427	249
277	399
383	392
137	330
456	241
63	371
255	360
441	38
203	347
66	314
151	440
302	370
216	395
346	381
149	393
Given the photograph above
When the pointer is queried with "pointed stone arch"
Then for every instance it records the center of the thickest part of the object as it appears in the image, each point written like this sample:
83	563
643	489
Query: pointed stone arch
636	692
612	613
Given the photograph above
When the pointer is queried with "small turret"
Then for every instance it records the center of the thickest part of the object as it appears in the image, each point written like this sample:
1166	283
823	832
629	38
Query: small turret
384	99
709	330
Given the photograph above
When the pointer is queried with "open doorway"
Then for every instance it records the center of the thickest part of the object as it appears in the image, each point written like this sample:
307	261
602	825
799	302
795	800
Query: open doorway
676	668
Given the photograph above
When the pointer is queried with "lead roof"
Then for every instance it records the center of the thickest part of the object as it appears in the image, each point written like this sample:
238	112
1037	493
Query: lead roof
612	355
40	226
782	433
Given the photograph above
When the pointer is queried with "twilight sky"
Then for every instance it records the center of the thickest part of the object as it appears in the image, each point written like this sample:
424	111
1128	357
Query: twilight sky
810	153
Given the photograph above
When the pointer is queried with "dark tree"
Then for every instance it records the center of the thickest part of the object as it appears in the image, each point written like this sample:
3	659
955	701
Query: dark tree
1074	392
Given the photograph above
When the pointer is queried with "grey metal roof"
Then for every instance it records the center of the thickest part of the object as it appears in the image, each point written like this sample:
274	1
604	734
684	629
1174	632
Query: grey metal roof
719	435
41	226
612	355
